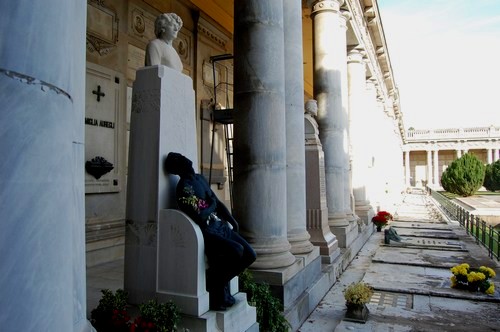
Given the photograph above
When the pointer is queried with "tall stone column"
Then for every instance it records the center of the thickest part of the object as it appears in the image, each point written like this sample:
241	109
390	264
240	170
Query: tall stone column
259	130
294	114
330	74
407	169
42	195
495	154
489	155
435	167
429	168
359	149
459	153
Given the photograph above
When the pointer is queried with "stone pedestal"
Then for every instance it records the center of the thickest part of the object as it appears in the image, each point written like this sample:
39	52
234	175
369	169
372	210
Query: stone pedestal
162	120
181	278
317	209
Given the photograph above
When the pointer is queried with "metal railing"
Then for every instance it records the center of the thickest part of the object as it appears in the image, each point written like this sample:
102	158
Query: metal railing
484	234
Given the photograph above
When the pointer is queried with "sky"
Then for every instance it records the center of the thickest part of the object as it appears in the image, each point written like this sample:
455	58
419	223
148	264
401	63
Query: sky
445	57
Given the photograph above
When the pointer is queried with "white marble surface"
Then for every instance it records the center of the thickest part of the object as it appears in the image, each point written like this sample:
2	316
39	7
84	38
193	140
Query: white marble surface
162	120
42	255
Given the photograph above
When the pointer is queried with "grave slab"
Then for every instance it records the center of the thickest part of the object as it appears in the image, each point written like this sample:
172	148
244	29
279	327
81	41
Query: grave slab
420	280
422	257
429	233
428	243
421	225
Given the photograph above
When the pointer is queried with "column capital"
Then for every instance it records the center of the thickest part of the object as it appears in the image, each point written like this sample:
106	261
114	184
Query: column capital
355	56
325	5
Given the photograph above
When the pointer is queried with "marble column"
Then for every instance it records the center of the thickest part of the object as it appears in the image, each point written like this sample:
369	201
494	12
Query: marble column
495	154
489	154
407	169
359	149
295	153
329	77
259	131
459	153
429	167
42	242
435	167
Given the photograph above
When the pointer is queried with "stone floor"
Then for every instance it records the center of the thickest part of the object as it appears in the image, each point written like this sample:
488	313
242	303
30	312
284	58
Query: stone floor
411	279
411	282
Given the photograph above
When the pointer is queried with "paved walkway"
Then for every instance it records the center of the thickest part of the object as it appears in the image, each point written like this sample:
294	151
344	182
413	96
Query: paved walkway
411	281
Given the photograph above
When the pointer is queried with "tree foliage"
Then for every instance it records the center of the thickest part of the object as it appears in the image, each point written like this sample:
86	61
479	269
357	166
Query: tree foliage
492	176
464	176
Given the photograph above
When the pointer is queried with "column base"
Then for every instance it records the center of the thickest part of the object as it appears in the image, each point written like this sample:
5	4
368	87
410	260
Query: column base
345	234
364	212
300	243
289	283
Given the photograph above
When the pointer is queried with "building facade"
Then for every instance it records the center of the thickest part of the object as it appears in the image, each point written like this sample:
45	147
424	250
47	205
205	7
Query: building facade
283	53
427	153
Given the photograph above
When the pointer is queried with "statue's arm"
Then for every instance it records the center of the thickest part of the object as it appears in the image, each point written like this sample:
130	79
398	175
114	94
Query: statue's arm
223	212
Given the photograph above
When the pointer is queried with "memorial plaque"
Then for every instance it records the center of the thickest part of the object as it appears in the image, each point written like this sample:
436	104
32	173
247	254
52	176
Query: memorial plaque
104	97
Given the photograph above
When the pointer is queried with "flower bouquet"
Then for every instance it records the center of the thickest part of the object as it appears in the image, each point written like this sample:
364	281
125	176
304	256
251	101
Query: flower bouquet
381	219
465	277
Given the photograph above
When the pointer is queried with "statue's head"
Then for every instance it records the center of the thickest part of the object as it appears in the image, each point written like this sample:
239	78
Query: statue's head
167	22
177	164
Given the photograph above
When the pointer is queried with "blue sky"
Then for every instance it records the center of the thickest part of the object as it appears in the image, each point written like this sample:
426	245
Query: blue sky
445	55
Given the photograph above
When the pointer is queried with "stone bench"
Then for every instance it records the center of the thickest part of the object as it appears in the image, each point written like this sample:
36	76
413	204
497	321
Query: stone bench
181	275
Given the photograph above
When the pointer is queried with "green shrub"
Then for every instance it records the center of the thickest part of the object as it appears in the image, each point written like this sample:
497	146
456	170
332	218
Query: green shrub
111	314
492	176
464	176
154	316
269	308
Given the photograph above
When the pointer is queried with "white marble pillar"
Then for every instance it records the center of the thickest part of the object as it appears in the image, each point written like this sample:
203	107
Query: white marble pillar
495	154
295	153
357	130
330	74
260	134
459	153
489	154
429	167
42	213
435	167
407	168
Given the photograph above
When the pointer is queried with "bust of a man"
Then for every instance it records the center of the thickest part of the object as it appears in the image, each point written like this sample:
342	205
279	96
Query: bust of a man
160	50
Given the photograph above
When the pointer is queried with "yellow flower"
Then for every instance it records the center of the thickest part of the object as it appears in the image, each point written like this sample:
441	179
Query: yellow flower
491	289
486	270
453	281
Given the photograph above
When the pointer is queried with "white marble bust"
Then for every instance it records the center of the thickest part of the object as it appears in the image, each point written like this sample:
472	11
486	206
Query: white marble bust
160	50
311	107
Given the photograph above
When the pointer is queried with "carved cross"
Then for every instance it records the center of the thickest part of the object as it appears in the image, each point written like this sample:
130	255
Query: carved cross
99	93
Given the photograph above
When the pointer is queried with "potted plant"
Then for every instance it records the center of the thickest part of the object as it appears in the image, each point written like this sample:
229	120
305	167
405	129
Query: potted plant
381	219
357	295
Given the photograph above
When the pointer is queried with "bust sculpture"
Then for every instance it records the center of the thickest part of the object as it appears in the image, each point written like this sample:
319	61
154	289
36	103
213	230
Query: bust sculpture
160	50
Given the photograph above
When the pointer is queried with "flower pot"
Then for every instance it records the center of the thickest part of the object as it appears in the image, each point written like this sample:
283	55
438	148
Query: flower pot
379	228
356	313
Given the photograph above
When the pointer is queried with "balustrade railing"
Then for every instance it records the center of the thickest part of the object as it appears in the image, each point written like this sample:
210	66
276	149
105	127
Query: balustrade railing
484	234
453	133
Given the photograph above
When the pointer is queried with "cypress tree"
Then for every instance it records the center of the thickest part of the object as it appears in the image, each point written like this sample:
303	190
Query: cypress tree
492	176
464	176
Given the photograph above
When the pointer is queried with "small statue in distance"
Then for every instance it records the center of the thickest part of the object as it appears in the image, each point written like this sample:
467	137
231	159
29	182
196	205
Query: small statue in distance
160	50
